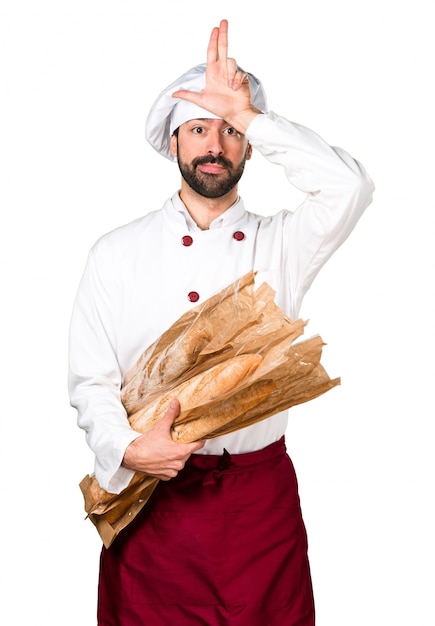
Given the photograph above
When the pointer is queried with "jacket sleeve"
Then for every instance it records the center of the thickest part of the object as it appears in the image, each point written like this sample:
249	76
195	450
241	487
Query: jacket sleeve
338	191
94	374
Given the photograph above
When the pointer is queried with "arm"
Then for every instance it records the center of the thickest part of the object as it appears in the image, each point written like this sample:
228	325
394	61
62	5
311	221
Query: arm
95	382
338	188
338	192
329	175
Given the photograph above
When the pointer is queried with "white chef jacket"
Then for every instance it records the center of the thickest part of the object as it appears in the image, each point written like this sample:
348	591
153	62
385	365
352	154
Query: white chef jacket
138	279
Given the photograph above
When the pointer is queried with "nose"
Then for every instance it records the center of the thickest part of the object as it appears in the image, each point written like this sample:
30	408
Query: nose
214	142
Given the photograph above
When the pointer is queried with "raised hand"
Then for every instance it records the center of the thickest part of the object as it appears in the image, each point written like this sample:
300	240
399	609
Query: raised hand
227	92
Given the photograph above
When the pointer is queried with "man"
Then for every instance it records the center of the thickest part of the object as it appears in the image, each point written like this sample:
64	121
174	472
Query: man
222	540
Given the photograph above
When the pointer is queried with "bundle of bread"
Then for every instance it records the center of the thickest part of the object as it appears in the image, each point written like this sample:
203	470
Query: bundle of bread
231	362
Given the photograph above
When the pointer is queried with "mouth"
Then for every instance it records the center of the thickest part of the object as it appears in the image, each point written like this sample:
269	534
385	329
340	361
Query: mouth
212	165
211	168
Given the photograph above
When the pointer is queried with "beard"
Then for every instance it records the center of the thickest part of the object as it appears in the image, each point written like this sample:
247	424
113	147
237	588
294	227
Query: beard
211	185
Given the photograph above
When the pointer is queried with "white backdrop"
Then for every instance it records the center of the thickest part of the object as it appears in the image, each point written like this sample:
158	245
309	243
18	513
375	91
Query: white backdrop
77	79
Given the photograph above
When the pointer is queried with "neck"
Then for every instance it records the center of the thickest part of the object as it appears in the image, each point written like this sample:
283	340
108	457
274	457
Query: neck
204	210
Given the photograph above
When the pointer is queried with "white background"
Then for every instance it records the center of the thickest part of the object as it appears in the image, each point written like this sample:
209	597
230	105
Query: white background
77	80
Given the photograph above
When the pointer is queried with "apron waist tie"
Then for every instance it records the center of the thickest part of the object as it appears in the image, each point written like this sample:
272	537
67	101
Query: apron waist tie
216	466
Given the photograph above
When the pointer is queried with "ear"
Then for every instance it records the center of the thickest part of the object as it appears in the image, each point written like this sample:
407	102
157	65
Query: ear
173	145
248	151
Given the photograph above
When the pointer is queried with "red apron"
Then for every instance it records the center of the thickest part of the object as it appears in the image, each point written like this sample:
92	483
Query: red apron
222	544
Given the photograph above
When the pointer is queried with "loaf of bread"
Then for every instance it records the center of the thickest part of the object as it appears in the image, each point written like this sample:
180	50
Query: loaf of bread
99	498
156	368
199	390
204	422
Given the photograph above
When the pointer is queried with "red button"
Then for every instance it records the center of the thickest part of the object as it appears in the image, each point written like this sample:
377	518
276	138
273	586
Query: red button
238	235
187	240
193	296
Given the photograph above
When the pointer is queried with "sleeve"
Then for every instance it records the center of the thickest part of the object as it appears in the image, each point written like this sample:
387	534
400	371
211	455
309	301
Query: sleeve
95	378
338	191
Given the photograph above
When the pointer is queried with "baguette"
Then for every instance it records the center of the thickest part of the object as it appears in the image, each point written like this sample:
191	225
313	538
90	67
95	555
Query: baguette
217	417
99	497
154	369
132	497
198	390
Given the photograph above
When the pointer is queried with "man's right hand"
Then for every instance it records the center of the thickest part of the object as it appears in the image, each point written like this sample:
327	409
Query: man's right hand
227	92
155	452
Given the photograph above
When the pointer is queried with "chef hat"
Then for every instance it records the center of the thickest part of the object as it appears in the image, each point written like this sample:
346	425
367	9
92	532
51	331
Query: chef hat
168	113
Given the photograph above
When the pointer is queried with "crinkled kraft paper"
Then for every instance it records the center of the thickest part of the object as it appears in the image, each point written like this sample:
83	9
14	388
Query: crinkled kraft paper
232	361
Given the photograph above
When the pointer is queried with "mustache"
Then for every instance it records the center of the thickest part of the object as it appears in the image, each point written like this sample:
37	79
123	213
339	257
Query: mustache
219	160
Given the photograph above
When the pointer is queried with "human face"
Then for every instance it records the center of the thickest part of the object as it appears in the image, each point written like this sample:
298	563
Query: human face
211	156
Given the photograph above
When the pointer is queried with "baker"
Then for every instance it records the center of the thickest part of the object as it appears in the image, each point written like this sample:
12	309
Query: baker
222	540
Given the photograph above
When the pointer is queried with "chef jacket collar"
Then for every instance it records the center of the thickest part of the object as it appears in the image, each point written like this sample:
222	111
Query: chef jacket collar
230	216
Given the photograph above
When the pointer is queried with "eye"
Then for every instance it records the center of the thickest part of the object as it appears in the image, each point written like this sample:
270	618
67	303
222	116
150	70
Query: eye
197	130
232	131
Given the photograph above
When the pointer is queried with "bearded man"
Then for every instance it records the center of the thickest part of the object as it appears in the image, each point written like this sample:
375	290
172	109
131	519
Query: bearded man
222	540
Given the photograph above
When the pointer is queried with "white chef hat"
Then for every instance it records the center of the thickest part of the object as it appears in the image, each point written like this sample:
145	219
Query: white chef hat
168	113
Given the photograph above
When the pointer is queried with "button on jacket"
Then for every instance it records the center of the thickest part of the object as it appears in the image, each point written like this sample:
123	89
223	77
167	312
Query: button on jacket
141	277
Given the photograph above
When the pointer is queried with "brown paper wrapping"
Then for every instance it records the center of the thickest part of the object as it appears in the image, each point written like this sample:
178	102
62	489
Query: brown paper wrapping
240	328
